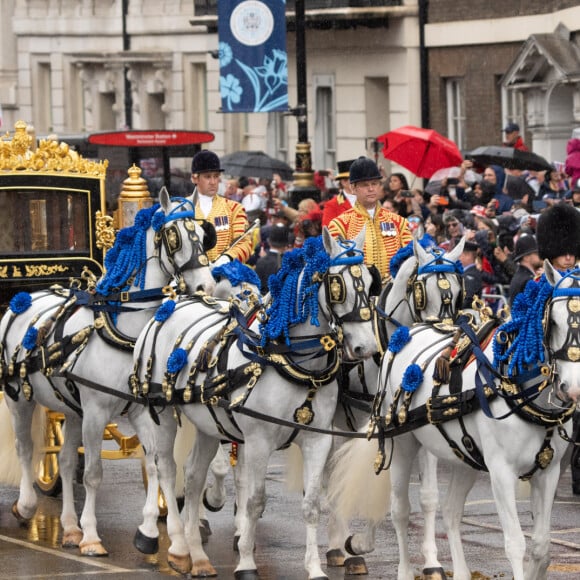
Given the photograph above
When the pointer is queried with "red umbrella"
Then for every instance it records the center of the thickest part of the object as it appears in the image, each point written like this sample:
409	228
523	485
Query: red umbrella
421	151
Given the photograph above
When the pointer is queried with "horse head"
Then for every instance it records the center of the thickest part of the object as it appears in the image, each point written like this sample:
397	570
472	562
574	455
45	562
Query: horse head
345	295
181	241
427	286
561	327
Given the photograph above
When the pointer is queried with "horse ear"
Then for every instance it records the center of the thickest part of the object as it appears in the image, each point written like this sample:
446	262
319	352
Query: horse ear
360	239
209	237
420	252
328	241
457	250
165	200
194	198
552	275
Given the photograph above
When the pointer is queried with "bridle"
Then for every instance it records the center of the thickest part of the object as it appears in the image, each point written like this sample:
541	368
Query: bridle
168	235
417	294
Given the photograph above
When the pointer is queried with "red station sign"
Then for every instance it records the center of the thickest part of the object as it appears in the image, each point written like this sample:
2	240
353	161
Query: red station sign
150	138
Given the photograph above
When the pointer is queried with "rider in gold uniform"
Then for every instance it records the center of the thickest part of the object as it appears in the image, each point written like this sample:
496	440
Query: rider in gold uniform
228	216
386	231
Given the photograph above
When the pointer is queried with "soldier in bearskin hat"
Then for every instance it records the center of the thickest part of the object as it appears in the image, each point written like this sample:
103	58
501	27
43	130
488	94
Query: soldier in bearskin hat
558	235
386	231
228	216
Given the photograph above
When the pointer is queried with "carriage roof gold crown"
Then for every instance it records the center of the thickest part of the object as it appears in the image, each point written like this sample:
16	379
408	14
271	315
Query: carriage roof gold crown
19	153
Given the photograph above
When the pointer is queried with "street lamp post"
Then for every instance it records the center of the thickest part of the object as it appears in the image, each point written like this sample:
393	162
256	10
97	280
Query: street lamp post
303	179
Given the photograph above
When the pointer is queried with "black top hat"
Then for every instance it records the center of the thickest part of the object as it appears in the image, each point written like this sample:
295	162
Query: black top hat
343	169
558	232
470	247
279	236
364	169
205	161
525	245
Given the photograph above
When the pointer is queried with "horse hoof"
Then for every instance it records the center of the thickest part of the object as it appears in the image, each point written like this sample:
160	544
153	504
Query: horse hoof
246	575
181	564
144	544
208	506
434	574
93	549
202	569
23	521
72	539
355	566
334	558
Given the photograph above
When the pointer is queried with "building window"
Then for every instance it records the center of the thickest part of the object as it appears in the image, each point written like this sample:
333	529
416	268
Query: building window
455	101
513	107
42	97
324	123
277	136
195	95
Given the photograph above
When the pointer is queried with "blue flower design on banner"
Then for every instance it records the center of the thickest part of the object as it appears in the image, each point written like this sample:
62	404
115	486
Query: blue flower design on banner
252	56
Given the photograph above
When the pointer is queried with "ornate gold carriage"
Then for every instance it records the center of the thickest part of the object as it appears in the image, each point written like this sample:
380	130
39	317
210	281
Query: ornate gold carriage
54	228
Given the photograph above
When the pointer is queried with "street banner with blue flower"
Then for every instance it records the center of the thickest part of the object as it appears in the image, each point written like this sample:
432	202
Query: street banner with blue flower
252	55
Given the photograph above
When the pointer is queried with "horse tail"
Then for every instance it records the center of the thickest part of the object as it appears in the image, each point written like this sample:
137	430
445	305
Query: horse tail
354	490
10	471
184	440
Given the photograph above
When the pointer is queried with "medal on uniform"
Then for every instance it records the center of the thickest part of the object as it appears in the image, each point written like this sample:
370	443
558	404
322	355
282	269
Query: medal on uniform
388	229
221	222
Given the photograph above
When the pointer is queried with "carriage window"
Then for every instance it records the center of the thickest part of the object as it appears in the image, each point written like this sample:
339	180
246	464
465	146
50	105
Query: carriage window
44	220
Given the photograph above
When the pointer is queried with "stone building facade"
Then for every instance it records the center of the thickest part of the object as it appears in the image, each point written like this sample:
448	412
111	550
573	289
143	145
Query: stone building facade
463	67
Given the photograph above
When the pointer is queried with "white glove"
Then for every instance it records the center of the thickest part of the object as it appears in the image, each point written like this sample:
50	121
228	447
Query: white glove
223	259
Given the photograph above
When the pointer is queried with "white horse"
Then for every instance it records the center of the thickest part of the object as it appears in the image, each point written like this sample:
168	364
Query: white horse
511	418
427	287
260	384
71	351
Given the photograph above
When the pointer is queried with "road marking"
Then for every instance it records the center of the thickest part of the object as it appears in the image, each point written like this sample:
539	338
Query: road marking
59	554
527	534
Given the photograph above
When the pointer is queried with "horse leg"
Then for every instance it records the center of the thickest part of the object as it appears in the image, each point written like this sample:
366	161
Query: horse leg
503	485
94	422
146	538
200	457
405	448
22	419
461	482
251	501
214	496
429	500
67	463
315	452
544	485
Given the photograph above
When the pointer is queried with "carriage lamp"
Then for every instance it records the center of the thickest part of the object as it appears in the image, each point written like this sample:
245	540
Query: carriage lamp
134	197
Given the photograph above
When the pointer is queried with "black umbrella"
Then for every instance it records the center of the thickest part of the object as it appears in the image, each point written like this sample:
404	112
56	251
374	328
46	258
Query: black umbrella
509	158
255	164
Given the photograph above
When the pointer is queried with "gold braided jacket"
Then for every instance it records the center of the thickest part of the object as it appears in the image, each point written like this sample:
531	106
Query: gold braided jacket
230	221
386	232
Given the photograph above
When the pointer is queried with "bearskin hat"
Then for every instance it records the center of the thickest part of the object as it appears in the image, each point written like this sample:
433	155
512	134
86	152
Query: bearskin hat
558	232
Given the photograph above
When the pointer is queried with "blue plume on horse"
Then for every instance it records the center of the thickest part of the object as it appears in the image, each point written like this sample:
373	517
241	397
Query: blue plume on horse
412	378
176	360
20	302
294	300
525	327
237	273
400	338
165	311
404	253
128	255
29	340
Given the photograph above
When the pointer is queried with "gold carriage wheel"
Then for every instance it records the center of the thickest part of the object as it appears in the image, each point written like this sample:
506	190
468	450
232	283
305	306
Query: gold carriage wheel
48	474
